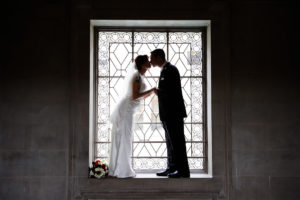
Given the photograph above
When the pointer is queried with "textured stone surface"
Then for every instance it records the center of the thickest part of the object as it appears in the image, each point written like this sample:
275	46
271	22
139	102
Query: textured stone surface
265	103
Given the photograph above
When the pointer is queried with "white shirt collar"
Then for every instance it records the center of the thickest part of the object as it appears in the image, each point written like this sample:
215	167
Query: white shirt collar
163	66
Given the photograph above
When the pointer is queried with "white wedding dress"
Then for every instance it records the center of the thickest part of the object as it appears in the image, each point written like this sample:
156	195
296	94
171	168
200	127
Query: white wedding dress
122	119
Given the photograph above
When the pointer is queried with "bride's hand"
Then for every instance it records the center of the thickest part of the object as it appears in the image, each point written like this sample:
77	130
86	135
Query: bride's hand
149	92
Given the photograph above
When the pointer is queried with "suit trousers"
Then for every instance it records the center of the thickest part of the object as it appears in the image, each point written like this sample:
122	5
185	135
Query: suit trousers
176	148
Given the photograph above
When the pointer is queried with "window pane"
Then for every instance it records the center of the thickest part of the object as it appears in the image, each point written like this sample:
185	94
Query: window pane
149	163
115	53
145	42
103	134
196	93
186	50
106	40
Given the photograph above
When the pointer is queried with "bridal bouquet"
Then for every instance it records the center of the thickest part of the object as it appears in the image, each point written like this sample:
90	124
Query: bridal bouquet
98	170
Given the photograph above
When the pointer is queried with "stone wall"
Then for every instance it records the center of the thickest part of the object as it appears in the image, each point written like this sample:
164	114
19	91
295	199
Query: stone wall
44	96
265	102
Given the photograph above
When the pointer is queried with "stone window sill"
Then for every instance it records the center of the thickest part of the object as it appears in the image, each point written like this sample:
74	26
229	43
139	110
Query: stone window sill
153	175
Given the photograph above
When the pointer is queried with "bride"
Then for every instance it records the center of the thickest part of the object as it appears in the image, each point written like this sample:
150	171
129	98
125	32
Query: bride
122	119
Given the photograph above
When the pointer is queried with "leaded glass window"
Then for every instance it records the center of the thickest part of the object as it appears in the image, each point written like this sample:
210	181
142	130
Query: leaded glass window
115	52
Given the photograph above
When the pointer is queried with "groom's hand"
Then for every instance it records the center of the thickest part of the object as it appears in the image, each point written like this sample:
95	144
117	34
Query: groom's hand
155	90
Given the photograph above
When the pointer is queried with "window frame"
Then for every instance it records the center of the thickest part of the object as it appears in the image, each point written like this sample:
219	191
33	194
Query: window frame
205	76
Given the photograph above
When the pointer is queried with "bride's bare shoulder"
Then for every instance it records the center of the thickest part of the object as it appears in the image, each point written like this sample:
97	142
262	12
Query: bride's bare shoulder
136	78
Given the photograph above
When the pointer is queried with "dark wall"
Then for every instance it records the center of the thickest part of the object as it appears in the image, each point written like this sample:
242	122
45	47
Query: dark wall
265	101
44	95
34	100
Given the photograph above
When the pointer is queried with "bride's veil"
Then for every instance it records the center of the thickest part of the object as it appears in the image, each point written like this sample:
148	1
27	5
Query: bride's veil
127	81
125	90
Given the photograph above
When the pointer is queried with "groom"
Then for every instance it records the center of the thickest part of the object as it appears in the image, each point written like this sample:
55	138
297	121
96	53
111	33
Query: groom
171	113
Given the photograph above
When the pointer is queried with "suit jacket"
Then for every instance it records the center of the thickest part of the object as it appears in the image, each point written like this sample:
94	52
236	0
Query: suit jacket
170	99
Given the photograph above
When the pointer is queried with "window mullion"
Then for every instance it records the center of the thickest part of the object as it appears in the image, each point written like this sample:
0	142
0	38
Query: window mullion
132	43
167	45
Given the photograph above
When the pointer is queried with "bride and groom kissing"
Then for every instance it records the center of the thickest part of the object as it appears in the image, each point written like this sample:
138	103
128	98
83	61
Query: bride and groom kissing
171	113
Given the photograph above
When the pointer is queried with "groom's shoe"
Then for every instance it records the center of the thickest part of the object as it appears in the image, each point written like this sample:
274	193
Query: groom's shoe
165	173
178	174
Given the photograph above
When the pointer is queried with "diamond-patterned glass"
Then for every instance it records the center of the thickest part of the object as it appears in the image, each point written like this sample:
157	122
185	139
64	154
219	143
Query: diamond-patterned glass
116	51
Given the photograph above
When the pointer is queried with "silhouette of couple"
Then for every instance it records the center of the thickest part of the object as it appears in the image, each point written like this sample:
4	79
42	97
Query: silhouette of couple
171	112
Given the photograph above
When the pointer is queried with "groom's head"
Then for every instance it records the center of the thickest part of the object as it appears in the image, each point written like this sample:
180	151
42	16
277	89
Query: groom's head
158	57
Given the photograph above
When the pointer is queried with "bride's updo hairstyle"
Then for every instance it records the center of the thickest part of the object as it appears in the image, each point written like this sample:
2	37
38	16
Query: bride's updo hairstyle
139	61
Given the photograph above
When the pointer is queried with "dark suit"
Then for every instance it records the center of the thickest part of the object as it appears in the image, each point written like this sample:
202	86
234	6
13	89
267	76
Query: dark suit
171	112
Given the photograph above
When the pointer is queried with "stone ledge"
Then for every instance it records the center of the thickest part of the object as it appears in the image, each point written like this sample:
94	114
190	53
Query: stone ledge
151	195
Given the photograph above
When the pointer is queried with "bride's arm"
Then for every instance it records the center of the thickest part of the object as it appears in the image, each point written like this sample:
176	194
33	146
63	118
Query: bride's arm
135	90
147	95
